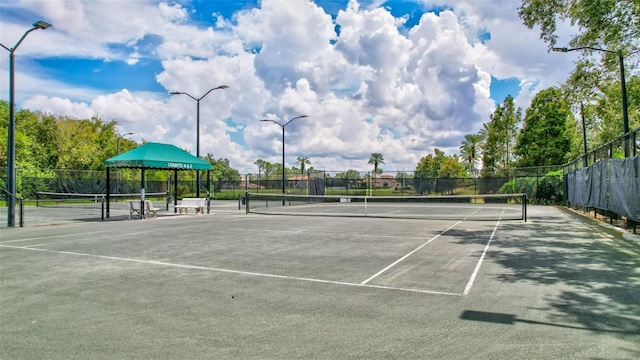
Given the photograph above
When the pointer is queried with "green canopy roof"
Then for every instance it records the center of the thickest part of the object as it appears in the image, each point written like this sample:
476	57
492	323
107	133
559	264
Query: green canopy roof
158	156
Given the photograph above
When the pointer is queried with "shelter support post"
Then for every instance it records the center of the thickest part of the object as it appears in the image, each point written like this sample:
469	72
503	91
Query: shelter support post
142	195
208	191
108	189
175	190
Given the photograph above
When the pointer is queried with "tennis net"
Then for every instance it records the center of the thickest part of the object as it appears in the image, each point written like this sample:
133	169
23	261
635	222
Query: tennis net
88	201
472	207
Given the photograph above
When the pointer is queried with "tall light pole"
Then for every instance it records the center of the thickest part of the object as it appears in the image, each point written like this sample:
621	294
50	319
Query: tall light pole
283	126
625	116
11	145
198	126
118	153
585	161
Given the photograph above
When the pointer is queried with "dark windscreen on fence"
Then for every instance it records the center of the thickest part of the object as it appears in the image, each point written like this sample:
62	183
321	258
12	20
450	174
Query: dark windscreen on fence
598	182
612	184
624	196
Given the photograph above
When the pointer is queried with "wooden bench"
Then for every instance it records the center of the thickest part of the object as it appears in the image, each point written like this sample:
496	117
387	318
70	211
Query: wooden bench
197	204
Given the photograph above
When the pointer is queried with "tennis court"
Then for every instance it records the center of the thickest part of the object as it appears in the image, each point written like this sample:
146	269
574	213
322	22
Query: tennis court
236	285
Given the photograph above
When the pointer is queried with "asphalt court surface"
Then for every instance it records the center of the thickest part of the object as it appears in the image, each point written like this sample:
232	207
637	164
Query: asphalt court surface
350	251
231	285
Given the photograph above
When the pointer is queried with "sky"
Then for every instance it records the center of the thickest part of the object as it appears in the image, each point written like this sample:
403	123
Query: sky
398	77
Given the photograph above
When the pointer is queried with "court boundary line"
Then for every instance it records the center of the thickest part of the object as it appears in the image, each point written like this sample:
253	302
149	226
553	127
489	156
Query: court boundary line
230	271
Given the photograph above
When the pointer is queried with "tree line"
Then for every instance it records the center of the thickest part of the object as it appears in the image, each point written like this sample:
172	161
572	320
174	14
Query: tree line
549	133
46	142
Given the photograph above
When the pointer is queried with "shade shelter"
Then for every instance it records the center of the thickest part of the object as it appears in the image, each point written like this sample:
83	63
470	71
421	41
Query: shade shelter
156	156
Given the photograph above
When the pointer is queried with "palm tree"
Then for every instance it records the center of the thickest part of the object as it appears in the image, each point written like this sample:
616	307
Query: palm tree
484	132
376	159
302	161
470	150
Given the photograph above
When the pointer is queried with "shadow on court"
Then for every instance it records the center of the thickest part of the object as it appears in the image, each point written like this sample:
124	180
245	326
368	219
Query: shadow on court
601	274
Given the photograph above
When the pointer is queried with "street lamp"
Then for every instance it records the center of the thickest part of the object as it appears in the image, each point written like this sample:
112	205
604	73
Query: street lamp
221	87
625	116
283	126
585	161
118	153
11	145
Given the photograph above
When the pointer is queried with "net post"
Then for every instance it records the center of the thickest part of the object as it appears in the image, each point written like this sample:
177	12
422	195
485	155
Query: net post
365	205
108	191
208	200
21	206
524	207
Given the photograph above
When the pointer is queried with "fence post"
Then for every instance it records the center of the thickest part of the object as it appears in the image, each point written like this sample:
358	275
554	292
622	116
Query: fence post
535	192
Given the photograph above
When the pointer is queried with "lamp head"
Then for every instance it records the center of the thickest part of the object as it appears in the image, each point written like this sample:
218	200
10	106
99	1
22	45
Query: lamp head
41	25
222	87
560	49
175	93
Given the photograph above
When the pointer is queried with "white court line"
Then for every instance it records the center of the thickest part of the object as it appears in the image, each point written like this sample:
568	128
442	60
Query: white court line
409	254
243	229
249	273
75	240
52	236
329	233
83	235
484	253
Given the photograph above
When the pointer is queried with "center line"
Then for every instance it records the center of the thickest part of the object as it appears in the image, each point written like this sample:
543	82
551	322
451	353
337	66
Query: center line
484	253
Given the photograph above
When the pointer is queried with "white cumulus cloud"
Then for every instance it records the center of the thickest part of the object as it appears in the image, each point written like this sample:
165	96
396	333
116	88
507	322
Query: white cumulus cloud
368	81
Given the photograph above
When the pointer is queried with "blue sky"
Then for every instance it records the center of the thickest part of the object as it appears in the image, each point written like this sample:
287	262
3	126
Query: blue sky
400	77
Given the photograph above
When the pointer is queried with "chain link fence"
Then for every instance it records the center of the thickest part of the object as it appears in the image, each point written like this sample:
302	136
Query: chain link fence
542	185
